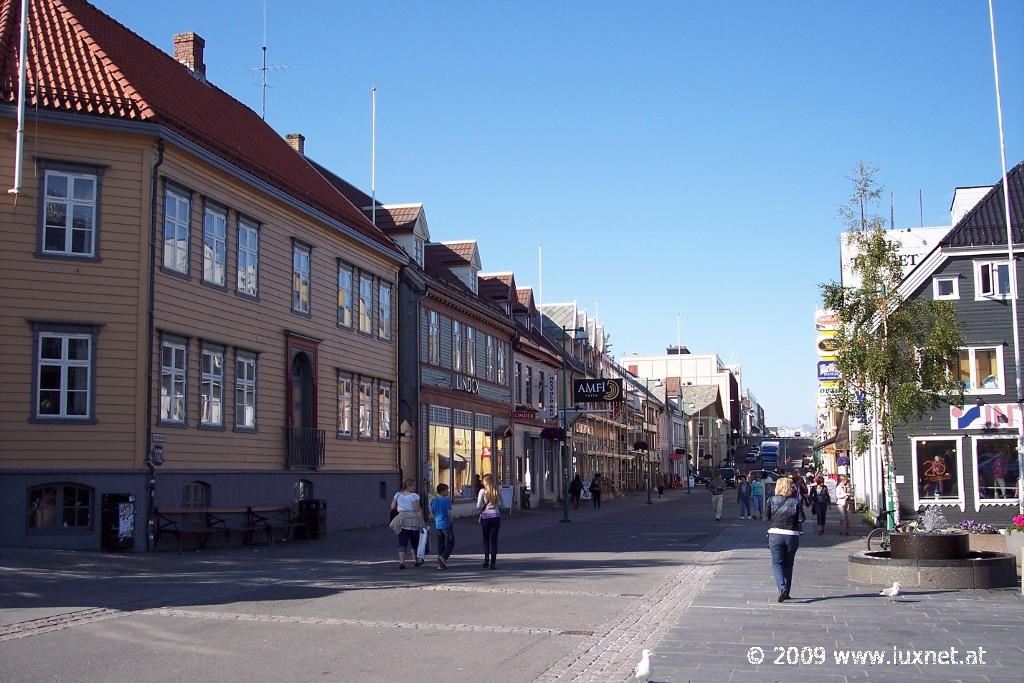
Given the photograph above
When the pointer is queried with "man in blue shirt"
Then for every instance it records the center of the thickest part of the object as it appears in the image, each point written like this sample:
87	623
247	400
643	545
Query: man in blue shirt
441	511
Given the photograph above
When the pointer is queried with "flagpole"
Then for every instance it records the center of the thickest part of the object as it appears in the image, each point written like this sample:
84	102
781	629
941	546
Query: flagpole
540	286
373	155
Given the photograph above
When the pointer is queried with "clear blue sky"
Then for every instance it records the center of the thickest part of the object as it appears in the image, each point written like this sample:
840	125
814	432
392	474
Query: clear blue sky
714	139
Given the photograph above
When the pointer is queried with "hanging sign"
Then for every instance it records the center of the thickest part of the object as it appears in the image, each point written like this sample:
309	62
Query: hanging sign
828	370
550	409
827	344
589	390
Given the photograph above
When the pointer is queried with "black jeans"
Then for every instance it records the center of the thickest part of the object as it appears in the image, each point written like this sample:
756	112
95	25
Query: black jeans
490	527
445	542
596	497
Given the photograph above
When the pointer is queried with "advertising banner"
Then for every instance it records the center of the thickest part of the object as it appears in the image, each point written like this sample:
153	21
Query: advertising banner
826	343
988	416
590	390
826	320
828	370
550	409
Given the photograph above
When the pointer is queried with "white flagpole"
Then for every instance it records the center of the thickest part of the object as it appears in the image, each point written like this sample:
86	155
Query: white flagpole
19	148
540	286
373	155
1009	252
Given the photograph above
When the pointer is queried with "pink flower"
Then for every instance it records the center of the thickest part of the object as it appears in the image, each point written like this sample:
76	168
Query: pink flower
1018	520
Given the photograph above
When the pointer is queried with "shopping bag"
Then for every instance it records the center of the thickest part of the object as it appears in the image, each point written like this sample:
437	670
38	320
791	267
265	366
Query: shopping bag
421	549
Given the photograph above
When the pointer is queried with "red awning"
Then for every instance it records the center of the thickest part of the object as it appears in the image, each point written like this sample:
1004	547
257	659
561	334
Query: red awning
675	456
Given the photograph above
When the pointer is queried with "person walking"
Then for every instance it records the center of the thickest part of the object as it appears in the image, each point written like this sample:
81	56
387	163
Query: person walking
820	502
786	516
844	502
743	497
717	487
661	484
575	491
408	521
441	511
488	502
595	490
757	495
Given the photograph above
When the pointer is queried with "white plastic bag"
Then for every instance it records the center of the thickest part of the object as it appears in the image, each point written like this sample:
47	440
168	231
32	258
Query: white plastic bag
421	548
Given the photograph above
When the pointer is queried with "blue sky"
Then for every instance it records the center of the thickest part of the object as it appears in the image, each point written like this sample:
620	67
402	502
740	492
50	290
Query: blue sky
672	157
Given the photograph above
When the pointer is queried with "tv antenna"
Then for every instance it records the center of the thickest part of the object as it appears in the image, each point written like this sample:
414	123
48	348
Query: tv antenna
265	68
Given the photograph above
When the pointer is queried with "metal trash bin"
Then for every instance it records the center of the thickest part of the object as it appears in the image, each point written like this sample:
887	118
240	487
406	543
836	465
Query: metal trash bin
117	522
524	498
314	513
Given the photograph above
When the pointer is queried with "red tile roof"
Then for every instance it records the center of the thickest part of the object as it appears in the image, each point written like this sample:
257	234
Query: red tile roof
82	61
397	219
452	253
494	289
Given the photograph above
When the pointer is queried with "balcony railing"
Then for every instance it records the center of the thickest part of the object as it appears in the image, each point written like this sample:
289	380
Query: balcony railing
303	448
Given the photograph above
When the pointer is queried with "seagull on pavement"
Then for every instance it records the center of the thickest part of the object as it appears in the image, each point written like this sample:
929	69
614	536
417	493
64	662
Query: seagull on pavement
891	592
643	669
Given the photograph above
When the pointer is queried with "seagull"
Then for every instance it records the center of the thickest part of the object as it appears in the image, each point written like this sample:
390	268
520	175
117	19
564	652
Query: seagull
892	592
643	669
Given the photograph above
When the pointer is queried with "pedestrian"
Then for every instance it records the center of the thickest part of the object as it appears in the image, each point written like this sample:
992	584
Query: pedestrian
844	502
801	492
717	487
408	521
820	502
743	496
488	502
757	495
576	490
441	511
595	490
786	516
661	484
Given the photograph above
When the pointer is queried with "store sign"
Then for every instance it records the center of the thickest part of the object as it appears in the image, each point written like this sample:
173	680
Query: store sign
589	390
988	416
467	384
828	389
550	400
828	370
827	344
826	320
524	415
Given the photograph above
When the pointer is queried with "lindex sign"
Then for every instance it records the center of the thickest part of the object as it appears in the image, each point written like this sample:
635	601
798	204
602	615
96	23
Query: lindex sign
590	390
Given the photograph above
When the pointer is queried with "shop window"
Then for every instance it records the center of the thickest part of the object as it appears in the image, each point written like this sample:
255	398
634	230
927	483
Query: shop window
60	506
196	494
462	463
937	471
440	449
997	469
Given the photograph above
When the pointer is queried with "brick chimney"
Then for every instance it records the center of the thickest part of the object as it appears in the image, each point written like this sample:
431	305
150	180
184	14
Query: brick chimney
297	141
188	49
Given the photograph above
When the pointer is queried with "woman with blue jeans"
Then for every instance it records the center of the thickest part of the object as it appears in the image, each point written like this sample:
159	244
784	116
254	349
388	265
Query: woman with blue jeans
488	501
786	515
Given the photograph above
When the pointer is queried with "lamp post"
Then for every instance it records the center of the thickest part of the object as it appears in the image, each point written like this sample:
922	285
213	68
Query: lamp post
565	417
686	442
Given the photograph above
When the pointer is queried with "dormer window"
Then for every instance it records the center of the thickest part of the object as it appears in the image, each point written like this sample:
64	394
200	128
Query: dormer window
419	252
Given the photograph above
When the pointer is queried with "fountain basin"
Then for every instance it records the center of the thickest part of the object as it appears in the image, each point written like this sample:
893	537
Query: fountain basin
925	546
976	570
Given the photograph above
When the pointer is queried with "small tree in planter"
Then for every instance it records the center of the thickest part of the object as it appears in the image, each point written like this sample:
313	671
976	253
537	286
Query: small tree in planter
895	357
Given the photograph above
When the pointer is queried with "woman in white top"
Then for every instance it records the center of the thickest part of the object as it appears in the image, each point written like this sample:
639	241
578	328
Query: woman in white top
844	502
408	522
488	501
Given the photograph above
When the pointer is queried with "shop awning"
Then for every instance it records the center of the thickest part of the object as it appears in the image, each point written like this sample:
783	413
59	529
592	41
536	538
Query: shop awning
553	433
676	455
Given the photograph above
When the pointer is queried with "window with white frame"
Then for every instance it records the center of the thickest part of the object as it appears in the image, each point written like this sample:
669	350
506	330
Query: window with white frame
419	252
433	338
64	367
937	469
945	287
384	410
980	369
366	303
489	351
215	225
540	388
344	404
69	214
177	207
248	257
470	351
456	346
365	408
344	294
300	278
173	372
519	382
700	428
991	279
245	391
996	469
384	312
502	363
529	385
211	387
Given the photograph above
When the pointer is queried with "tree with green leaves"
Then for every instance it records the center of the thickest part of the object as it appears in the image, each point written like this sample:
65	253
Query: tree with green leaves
897	358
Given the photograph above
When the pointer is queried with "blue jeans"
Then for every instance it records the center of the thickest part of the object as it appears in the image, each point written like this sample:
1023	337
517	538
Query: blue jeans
783	549
744	507
490	527
445	543
758	504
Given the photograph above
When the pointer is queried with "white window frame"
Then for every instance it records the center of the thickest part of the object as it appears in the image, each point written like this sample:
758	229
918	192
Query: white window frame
456	345
975	388
345	394
171	376
489	357
211	387
365	409
346	279
384	432
64	363
419	252
952	502
518	372
993	265
70	203
177	235
248	263
365	303
245	387
995	502
433	338
215	240
470	351
384	310
945	278
302	266
502	362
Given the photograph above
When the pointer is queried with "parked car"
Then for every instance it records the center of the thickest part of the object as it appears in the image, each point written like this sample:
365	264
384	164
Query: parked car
729	475
751	457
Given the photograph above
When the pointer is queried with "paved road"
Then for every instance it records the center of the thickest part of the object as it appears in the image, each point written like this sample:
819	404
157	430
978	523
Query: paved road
569	602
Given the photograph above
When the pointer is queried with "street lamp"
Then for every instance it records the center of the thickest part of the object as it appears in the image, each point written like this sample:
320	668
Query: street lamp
581	334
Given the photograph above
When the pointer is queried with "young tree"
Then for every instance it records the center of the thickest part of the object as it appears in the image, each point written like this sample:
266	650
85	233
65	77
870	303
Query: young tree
897	358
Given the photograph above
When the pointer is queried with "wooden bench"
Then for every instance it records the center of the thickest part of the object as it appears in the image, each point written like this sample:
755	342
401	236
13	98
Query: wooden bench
270	518
203	522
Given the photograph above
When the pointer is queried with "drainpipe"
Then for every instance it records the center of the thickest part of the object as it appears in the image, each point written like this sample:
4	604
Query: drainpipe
419	295
151	321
